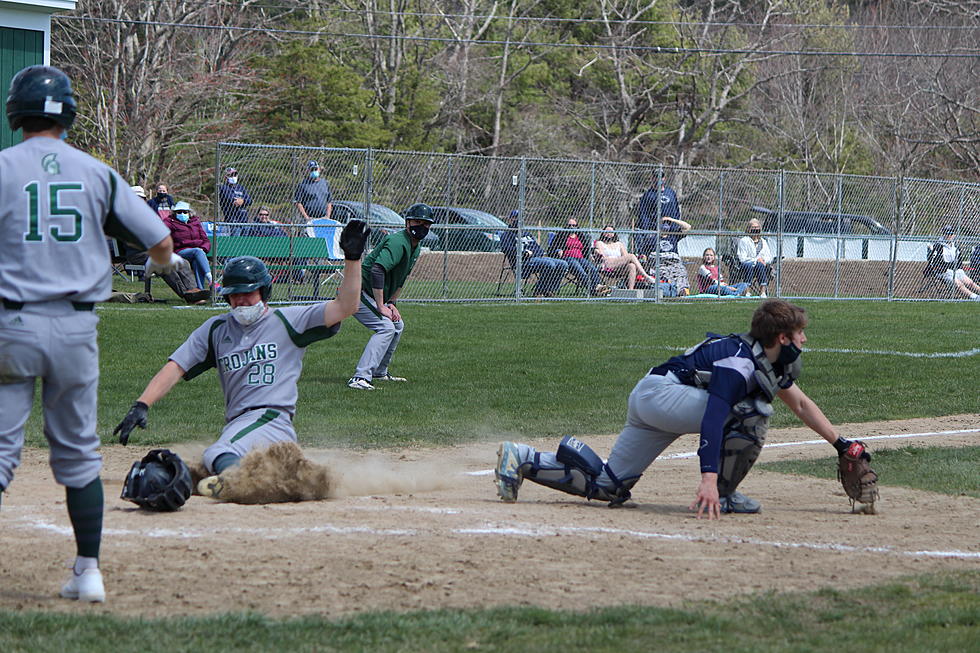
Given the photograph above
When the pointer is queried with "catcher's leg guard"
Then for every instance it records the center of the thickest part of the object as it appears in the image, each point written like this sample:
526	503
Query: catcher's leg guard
574	470
739	451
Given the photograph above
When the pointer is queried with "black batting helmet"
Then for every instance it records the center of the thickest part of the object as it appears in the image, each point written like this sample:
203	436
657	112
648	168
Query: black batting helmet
245	274
41	91
419	211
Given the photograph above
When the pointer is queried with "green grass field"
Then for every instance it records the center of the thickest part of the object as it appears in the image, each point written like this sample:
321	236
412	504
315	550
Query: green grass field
483	371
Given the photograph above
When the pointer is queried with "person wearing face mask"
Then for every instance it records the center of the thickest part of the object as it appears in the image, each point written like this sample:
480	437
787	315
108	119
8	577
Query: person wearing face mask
162	201
234	200
257	352
383	273
755	257
191	242
722	389
572	246
312	197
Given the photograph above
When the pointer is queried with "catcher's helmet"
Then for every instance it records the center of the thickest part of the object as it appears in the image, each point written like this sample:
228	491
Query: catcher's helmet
245	274
160	481
40	91
419	212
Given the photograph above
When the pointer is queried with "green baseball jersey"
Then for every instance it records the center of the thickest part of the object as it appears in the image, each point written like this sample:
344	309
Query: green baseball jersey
397	256
56	206
258	365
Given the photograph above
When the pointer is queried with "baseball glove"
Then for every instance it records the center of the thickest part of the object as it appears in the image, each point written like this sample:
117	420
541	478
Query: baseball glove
854	472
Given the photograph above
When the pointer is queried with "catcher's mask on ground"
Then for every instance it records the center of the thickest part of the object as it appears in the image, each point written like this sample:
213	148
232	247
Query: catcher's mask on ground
160	481
245	274
42	91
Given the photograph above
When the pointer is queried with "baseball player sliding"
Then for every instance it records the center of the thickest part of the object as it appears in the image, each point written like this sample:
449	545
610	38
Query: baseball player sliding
258	354
57	205
722	388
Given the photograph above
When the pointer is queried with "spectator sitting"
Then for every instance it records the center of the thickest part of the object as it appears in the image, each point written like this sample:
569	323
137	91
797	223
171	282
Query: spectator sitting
712	282
944	263
550	271
234	200
162	202
264	225
755	256
615	259
572	247
190	241
139	192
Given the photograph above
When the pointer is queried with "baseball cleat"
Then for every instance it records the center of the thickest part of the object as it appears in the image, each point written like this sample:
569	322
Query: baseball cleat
358	383
211	487
507	474
389	377
739	503
86	586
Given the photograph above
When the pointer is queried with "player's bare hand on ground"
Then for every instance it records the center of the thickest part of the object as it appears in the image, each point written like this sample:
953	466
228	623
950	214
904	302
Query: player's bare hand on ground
135	417
706	500
176	261
353	239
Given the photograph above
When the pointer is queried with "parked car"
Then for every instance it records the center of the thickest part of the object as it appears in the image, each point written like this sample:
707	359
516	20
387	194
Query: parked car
382	221
819	222
482	236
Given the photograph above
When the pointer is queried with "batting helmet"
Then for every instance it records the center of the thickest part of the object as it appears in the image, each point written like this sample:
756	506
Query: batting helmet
245	274
160	481
419	212
40	91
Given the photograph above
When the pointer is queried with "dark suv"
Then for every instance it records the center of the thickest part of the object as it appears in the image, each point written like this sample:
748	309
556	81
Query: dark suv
480	230
818	222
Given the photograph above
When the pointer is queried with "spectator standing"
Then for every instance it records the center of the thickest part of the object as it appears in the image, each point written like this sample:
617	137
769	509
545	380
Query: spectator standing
162	202
573	247
667	233
550	271
712	282
190	242
755	257
312	197
234	200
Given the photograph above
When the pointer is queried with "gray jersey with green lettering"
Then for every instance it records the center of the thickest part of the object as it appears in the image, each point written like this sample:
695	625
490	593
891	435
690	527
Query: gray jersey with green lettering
56	206
258	365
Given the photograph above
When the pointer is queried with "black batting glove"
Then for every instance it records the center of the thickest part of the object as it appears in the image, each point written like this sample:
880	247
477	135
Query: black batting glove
353	239
135	417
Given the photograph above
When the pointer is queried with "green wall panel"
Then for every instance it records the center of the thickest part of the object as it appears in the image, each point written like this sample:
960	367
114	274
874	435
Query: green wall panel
19	48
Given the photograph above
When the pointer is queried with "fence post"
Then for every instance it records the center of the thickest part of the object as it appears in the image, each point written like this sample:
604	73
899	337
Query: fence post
839	250
897	202
214	218
519	250
781	216
592	195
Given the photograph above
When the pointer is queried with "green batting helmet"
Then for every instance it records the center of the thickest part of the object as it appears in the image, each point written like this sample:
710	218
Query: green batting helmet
245	274
41	91
419	211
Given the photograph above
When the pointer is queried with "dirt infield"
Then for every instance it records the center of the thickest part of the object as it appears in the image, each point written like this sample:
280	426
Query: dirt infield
423	529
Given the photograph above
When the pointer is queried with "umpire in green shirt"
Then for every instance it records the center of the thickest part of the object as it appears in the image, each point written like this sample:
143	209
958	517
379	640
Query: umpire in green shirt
383	272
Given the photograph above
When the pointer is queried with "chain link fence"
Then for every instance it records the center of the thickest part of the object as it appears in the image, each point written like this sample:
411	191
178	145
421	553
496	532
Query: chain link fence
830	236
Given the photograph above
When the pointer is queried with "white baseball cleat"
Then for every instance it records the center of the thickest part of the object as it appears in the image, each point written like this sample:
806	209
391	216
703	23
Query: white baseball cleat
508	476
211	487
86	586
358	383
389	377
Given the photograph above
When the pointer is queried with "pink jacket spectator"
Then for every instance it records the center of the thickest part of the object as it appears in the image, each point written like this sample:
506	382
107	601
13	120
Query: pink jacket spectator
187	234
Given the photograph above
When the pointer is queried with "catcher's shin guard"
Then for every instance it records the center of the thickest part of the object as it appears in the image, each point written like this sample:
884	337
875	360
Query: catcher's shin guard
739	451
575	470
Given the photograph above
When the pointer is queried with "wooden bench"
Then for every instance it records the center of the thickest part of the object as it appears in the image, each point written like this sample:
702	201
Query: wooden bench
278	247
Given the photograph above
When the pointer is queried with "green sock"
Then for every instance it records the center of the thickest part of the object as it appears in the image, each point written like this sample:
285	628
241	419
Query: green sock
224	461
85	507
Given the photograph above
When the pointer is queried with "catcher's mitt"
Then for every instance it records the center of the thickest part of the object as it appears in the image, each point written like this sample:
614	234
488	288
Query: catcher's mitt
855	474
160	481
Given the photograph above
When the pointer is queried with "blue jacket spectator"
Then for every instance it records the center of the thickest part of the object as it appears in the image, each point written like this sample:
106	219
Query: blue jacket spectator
162	200
550	271
233	198
647	219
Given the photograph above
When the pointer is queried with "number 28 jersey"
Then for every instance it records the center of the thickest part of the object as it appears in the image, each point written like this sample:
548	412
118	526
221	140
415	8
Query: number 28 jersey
57	204
258	365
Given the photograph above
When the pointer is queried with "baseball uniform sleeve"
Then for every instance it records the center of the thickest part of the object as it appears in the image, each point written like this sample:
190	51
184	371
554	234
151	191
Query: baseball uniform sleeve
729	383
196	355
129	218
304	324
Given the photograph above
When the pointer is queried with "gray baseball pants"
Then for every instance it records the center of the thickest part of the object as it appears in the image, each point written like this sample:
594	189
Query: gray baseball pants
53	342
258	428
379	349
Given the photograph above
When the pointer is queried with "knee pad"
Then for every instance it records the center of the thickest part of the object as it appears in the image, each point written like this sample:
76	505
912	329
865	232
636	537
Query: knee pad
581	467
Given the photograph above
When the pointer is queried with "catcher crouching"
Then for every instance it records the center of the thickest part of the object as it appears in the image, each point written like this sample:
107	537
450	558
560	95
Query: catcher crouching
258	354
